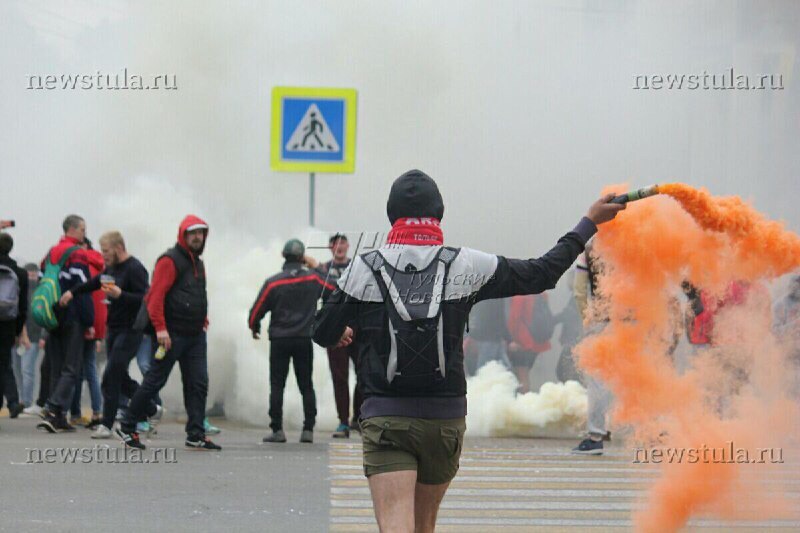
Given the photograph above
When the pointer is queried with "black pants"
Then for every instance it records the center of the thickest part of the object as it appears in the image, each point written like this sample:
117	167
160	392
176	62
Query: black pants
65	349
121	347
281	351
44	380
8	335
191	354
9	386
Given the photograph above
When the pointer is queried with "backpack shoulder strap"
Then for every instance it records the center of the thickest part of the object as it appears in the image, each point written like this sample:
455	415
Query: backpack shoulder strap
64	256
448	254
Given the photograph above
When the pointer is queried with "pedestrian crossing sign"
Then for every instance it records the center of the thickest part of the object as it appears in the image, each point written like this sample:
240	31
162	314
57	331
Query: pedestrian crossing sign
313	130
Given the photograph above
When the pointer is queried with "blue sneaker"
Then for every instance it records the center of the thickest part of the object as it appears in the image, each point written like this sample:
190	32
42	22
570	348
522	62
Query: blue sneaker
144	428
342	432
209	428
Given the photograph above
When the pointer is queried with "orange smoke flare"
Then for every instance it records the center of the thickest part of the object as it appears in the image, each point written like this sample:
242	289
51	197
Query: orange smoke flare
648	250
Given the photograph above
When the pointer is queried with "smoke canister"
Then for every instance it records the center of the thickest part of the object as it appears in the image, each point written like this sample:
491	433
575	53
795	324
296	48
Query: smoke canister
638	194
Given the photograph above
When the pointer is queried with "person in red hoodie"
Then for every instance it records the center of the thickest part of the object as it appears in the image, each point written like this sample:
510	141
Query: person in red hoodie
64	348
177	304
92	344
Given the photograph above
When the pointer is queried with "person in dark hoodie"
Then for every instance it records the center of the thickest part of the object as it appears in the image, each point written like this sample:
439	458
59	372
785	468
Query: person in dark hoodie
65	343
92	337
177	305
13	314
291	296
406	305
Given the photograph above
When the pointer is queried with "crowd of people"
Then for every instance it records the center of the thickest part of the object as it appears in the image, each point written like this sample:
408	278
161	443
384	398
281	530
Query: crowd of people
414	318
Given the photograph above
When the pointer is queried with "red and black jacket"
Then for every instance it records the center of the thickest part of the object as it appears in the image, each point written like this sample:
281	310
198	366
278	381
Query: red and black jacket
74	272
291	296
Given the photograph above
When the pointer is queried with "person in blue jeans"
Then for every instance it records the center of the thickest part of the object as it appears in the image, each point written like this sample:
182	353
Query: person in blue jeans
32	341
144	359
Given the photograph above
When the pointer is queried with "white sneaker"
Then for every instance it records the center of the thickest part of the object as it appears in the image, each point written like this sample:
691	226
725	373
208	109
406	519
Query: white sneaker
33	410
101	432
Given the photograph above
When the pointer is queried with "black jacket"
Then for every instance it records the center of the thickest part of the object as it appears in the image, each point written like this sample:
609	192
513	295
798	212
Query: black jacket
22	308
131	277
291	295
473	276
186	302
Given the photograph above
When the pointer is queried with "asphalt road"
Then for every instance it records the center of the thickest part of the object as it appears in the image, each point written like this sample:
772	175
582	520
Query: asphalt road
68	482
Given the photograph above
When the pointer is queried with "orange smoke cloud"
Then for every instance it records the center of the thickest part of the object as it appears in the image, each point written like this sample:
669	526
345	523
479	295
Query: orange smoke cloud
735	390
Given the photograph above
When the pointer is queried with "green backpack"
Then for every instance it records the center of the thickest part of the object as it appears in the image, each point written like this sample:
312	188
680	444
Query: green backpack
48	292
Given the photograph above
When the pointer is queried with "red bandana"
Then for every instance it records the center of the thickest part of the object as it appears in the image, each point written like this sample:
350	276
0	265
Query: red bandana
418	231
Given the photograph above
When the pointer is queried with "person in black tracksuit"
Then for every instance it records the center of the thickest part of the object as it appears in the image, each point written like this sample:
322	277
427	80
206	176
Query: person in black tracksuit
291	296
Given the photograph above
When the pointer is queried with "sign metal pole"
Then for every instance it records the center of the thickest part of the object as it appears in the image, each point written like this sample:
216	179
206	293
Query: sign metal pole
311	184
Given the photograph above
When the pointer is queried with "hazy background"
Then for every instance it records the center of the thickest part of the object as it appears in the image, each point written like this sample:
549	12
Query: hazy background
521	111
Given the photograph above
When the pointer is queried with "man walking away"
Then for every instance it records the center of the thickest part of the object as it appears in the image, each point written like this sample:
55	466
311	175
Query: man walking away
291	296
177	305
410	326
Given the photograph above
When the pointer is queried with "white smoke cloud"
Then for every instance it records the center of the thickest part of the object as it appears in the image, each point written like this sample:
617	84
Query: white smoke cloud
495	409
148	213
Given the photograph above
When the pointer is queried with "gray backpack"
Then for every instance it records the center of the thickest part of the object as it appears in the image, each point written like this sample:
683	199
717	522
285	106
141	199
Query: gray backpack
413	299
9	293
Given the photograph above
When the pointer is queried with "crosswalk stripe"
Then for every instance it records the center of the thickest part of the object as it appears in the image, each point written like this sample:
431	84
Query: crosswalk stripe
542	489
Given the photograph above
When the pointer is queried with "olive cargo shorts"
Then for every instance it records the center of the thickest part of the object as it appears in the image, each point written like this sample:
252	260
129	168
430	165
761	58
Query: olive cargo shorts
432	447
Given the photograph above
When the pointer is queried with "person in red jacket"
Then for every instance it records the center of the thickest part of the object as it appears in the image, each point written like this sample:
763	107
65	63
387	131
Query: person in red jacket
530	323
91	346
64	348
178	307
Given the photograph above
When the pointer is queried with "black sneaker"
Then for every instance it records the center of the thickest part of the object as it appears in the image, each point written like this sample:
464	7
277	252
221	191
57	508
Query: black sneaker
93	423
307	436
202	443
130	440
589	447
276	436
55	424
13	412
